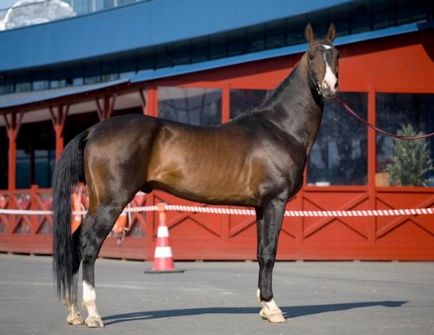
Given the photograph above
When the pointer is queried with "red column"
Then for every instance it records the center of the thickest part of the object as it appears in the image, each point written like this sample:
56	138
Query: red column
152	101
59	142
12	163
13	124
108	106
226	104
142	100
58	117
34	221
372	162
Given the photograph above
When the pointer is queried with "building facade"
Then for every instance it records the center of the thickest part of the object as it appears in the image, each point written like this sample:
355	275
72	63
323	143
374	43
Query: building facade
203	63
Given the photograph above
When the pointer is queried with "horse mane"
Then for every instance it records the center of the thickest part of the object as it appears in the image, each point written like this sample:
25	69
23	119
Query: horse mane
271	96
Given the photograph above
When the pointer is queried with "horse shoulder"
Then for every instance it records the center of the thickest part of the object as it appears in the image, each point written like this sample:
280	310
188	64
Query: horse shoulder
282	158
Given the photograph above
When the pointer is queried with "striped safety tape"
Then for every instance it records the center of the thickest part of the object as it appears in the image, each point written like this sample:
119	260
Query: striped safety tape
236	211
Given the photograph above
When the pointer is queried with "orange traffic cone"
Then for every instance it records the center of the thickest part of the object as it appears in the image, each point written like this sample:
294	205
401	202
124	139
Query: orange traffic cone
3	202
163	256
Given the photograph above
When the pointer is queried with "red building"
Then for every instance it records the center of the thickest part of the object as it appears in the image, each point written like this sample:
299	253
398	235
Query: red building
208	72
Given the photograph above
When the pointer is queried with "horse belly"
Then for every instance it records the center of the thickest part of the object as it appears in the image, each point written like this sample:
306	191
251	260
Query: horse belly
225	187
217	179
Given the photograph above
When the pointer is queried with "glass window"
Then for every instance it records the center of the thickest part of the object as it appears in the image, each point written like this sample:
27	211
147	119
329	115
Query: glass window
40	85
360	17
404	163
127	75
35	154
57	83
109	77
23	87
411	11
78	81
35	167
23	169
197	106
339	155
7	89
92	80
245	100
44	165
384	14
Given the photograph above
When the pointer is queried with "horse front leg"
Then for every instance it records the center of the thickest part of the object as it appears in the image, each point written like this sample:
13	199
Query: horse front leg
269	224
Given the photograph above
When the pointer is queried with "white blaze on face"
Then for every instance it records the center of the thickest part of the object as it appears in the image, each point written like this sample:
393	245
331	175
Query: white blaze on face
330	80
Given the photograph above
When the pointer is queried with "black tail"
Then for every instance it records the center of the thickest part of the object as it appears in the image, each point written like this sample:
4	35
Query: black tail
67	173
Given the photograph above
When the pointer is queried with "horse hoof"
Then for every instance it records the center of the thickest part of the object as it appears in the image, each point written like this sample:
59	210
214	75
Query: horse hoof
271	312
275	318
94	322
272	317
74	320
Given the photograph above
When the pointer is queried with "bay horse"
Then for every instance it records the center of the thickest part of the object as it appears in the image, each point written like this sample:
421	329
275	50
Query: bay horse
256	160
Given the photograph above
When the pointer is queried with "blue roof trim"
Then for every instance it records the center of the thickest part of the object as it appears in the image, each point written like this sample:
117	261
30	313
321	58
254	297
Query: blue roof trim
32	97
272	53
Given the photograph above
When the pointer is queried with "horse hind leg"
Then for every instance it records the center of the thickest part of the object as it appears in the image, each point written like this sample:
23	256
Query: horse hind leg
74	317
96	227
70	300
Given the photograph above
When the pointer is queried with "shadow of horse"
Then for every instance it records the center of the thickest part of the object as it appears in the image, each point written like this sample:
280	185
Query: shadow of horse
289	312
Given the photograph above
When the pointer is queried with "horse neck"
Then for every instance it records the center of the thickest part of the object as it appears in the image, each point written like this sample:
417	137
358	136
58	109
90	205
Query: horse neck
295	107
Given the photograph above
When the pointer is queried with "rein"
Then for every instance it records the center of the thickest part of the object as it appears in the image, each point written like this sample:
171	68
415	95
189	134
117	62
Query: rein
381	131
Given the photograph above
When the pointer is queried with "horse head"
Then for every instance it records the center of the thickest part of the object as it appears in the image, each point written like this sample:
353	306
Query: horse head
322	61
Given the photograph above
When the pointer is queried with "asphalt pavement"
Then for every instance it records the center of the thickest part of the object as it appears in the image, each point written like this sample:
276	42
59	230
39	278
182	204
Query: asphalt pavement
219	298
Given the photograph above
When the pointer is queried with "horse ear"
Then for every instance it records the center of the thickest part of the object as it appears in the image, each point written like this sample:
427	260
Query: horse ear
331	33
308	33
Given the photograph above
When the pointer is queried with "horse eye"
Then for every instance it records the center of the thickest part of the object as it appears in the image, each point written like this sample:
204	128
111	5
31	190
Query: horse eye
311	56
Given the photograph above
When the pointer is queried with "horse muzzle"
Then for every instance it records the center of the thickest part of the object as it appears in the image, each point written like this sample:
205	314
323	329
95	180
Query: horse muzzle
328	90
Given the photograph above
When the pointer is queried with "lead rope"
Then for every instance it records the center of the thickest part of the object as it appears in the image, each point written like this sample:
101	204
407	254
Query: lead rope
381	131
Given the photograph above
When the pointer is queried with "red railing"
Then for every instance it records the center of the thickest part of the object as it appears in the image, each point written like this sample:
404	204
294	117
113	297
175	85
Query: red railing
196	235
